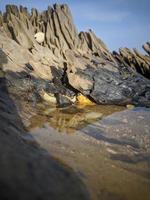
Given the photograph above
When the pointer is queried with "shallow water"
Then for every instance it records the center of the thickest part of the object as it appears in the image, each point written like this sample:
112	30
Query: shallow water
70	119
109	152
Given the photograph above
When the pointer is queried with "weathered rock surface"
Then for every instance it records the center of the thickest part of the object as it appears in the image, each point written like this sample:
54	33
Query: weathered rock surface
146	47
67	63
135	60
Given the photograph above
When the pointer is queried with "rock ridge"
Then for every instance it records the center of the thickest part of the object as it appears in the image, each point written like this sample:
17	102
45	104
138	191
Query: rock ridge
81	60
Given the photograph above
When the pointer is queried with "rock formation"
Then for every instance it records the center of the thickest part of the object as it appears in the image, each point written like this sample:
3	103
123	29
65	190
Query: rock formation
135	60
43	58
68	63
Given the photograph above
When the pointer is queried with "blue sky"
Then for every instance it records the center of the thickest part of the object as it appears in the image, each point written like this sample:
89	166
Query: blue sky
118	23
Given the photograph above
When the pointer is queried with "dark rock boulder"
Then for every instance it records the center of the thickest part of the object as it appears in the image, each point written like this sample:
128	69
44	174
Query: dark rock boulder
115	88
111	85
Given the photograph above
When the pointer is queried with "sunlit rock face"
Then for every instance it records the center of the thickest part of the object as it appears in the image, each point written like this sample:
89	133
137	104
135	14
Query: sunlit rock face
46	52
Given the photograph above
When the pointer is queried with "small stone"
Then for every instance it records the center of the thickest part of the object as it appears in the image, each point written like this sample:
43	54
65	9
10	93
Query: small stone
130	106
93	115
111	151
140	117
39	37
83	100
47	97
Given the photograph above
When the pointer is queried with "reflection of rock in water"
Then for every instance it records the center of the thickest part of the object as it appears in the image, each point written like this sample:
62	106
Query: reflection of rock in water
68	120
26	171
63	122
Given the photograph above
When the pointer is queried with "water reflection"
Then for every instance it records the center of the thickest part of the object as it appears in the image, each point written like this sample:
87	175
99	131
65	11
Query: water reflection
107	154
70	119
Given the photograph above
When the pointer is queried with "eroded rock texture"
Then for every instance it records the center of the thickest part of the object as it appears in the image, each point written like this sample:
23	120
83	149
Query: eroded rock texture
67	63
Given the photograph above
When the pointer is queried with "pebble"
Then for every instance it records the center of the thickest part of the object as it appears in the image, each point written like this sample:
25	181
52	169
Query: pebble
93	115
111	151
130	106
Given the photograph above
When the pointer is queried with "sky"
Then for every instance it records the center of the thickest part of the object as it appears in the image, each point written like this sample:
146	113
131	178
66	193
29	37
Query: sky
119	23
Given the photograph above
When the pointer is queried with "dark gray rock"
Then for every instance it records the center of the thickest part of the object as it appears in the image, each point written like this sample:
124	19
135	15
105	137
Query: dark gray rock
62	100
109	87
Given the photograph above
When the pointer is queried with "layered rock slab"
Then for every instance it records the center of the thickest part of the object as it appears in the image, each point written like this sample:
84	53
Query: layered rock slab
105	83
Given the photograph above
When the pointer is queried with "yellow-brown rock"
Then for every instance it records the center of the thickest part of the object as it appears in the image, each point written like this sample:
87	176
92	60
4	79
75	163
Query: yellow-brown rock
83	100
130	106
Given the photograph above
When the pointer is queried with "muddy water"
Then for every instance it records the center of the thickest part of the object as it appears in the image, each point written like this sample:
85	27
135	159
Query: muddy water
107	147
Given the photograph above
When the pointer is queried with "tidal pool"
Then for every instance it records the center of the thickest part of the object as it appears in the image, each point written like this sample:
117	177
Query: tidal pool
108	147
70	119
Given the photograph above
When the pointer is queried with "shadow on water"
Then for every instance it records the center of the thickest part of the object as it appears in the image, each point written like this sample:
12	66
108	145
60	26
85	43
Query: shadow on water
26	170
131	159
98	134
140	172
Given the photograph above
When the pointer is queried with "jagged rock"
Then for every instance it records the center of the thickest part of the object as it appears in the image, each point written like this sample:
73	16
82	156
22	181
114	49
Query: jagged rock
146	47
84	62
12	9
19	32
1	19
40	70
16	55
109	86
135	60
24	11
